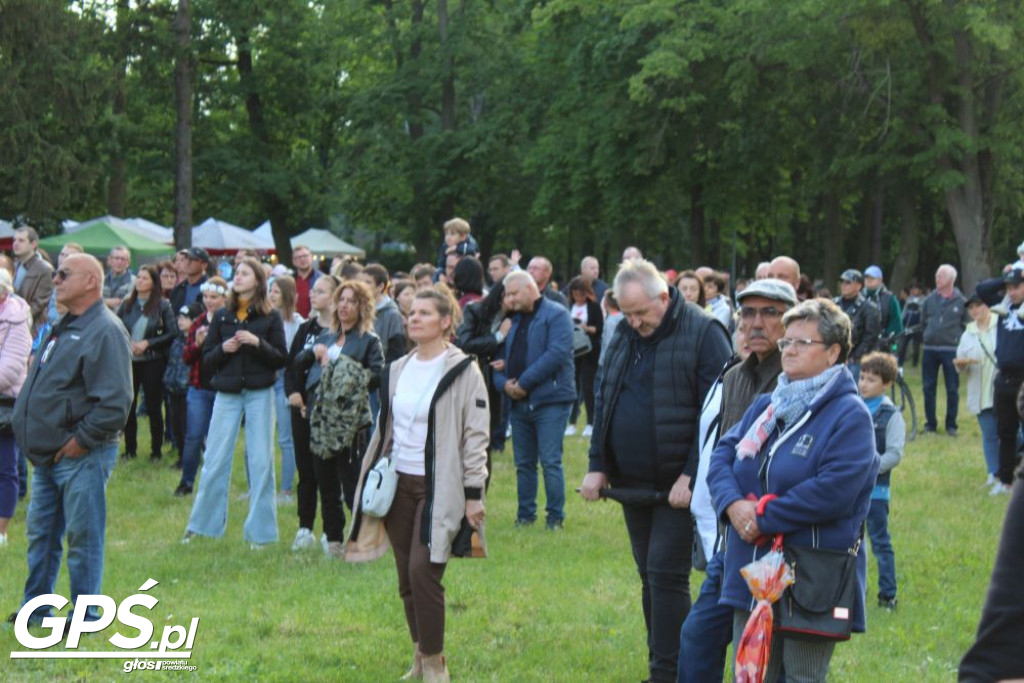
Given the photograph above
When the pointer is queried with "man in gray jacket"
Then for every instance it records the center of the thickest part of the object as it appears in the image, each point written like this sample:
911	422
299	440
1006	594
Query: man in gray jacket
68	420
943	319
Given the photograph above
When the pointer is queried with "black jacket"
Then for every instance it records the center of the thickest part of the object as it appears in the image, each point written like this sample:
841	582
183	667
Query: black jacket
691	348
866	324
160	330
250	367
305	338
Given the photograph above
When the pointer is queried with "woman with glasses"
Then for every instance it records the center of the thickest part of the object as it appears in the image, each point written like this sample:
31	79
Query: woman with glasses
151	326
244	349
801	463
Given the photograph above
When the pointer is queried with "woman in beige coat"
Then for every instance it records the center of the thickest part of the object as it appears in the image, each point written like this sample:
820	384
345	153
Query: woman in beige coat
435	425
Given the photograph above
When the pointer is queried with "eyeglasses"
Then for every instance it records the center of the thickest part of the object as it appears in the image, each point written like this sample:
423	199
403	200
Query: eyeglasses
62	274
767	312
798	344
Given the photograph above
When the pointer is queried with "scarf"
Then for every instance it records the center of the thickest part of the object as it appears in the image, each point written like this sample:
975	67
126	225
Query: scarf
789	401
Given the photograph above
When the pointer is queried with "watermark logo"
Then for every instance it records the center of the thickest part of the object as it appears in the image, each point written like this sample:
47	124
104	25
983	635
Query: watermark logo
175	643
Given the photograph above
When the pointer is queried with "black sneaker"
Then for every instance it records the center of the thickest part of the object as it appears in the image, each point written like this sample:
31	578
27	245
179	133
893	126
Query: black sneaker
183	490
525	522
127	456
556	525
952	432
929	430
888	604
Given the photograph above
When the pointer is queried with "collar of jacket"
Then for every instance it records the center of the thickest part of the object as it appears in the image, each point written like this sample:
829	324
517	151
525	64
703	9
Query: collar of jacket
88	315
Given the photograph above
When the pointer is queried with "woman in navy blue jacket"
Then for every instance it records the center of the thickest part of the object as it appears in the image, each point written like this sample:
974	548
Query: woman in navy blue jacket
811	444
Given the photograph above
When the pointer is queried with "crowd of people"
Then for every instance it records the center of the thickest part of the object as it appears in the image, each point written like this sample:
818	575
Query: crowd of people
721	415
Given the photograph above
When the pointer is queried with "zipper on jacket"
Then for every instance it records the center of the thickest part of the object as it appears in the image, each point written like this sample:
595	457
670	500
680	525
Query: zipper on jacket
782	439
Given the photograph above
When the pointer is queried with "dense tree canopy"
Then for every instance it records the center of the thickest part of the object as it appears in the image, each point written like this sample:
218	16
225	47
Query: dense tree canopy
705	131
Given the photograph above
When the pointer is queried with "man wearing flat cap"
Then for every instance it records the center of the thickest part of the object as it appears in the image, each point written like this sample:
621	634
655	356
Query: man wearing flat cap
707	631
189	290
866	322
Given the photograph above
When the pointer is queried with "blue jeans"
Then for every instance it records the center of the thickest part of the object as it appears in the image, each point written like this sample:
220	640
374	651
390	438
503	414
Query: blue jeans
199	405
930	365
283	417
881	546
22	473
8	477
210	510
69	497
707	631
537	435
989	439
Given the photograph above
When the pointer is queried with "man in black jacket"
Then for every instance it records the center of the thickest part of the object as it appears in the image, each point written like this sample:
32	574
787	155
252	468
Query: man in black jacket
189	290
68	420
657	369
864	317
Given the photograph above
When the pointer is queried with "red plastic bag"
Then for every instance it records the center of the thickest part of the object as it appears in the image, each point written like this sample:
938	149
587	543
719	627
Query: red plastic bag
768	579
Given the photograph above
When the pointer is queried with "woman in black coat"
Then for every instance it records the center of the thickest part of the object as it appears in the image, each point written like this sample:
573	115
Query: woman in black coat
151	326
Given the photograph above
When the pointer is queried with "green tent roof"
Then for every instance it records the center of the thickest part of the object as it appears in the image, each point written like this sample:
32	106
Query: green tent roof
98	239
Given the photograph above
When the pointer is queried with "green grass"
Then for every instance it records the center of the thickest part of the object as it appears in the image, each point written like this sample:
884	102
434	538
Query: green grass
543	607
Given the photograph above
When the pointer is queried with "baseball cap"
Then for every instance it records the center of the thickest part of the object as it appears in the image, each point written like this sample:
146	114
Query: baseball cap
192	310
776	290
198	254
1014	277
873	271
852	275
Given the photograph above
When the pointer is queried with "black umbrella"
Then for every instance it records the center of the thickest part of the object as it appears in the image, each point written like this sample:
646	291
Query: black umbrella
635	497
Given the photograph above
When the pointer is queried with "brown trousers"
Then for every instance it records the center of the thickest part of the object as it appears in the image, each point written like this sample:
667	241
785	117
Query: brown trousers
419	579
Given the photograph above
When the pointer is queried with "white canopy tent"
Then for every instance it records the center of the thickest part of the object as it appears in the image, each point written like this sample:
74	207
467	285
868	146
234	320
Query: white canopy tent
151	229
6	231
327	243
218	237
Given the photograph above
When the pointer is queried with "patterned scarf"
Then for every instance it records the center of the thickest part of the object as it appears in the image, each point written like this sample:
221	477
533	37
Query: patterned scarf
789	401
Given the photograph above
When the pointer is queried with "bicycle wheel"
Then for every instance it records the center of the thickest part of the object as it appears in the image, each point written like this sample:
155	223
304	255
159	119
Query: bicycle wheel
907	400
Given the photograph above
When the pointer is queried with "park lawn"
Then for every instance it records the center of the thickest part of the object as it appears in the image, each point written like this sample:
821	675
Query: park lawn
545	606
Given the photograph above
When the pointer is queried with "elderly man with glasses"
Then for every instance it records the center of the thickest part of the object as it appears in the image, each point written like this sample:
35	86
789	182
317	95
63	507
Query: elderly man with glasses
119	279
68	420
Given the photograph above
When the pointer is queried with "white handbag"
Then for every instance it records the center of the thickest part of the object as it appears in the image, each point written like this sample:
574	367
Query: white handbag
379	487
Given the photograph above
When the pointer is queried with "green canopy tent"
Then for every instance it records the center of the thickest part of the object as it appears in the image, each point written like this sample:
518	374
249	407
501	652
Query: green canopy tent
99	238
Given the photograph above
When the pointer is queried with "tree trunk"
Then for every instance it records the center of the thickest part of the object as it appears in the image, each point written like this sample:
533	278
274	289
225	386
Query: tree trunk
117	183
183	67
833	239
906	257
273	205
696	224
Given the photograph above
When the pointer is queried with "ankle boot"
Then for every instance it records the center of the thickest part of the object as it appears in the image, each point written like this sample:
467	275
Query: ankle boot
417	665
435	669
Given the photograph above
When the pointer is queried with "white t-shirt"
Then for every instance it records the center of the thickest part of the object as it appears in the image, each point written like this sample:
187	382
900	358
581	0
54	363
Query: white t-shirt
410	407
579	312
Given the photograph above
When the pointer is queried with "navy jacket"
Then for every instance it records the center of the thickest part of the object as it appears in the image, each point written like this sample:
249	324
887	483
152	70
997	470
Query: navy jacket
550	376
822	468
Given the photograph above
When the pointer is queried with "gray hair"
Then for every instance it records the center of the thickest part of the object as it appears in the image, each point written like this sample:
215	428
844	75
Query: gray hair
642	272
833	325
522	277
948	269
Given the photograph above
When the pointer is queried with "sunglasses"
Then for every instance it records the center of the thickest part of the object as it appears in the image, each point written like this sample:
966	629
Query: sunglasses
62	274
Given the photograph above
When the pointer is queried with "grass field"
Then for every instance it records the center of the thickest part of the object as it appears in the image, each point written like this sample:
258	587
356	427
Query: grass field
543	607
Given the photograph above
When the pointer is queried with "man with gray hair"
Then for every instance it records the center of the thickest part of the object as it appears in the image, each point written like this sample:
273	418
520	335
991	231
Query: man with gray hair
662	360
707	631
943	319
538	376
119	280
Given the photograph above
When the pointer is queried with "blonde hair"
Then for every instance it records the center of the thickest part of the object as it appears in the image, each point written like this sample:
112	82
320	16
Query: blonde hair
286	285
446	305
365	302
457	225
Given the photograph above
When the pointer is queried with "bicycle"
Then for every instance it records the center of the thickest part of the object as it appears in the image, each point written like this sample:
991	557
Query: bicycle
900	392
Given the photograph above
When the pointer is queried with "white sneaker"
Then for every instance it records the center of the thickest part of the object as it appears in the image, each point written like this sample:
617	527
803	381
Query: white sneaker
588	431
284	499
304	539
998	489
508	432
990	481
570	430
3	540
323	543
